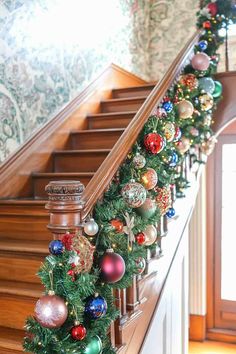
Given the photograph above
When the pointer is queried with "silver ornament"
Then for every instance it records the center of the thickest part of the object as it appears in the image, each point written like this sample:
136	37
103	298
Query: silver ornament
139	161
91	227
134	194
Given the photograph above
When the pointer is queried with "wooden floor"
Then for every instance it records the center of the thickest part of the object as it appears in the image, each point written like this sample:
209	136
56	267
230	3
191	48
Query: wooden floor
210	347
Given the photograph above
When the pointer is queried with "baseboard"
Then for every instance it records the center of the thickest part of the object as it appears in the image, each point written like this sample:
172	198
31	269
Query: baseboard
197	328
221	335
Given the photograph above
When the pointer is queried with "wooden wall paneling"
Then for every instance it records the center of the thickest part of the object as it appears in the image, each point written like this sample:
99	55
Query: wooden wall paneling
197	329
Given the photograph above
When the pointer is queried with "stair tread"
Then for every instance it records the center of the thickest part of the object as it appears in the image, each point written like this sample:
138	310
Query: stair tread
125	99
90	131
26	201
58	174
33	246
135	87
80	151
112	114
11	338
20	288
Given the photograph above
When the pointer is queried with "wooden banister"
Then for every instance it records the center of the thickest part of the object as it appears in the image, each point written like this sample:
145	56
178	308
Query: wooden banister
105	173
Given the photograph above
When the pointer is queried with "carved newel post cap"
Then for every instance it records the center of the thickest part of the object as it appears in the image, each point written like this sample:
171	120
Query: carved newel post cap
64	191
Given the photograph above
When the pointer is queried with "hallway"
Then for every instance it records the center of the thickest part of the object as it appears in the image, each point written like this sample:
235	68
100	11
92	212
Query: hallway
209	347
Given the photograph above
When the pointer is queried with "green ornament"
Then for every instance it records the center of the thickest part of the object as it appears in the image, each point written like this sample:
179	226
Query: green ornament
94	347
148	209
218	90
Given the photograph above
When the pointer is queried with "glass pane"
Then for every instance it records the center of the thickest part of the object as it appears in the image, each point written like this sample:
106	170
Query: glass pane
228	234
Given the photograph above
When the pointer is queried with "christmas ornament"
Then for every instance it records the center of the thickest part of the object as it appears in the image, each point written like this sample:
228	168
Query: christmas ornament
94	346
140	238
150	235
200	61
160	112
91	227
170	213
154	143
117	224
207	120
56	247
202	45
169	131
78	332
84	250
148	209
167	106
139	161
149	178
206	25
95	307
71	274
134	194
112	267
128	228
163	198
173	159
178	133
74	259
206	101
213	8
183	145
208	146
51	311
207	84
141	265
67	241
189	80
185	109
218	90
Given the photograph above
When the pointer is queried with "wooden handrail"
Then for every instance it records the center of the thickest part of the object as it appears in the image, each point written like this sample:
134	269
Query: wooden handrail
110	165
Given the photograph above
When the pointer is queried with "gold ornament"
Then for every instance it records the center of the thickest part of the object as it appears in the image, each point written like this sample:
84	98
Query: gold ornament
169	131
206	101
208	146
82	257
185	109
149	178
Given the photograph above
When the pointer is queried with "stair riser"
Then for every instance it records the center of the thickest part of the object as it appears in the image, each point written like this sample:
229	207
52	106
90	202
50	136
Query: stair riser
78	162
102	140
134	92
8	351
125	106
108	123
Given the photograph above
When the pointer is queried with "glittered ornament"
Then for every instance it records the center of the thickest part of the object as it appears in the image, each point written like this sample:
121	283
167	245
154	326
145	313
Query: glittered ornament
56	247
170	213
173	159
178	133
160	113
218	89
67	241
185	109
202	45
94	346
148	208
168	106
207	84
154	143
169	131
206	101
213	8
95	307
189	80
78	332
163	198
84	250
140	238
51	311
183	145
149	178
150	235
200	61
140	264
91	227
139	161
112	267
117	225
206	25
134	194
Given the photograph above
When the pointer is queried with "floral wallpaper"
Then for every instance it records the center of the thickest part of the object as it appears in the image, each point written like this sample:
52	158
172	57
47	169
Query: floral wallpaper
51	49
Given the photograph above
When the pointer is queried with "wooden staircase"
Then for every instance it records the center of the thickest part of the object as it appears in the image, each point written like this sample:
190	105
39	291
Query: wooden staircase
23	235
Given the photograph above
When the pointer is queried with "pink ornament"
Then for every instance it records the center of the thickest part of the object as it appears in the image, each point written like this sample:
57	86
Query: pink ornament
160	112
150	235
112	267
51	311
185	109
200	61
194	132
213	8
183	145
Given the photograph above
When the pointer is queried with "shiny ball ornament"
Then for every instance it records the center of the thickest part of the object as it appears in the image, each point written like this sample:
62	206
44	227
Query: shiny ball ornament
78	332
149	179
148	209
213	8
140	238
189	80
200	61
95	307
139	161
206	25
206	102
94	346
117	225
112	267
167	106
218	89
169	131
91	227
207	84
154	143
202	45
174	159
185	109
51	311
134	194
160	113
178	133
141	265
183	145
150	235
56	247
170	213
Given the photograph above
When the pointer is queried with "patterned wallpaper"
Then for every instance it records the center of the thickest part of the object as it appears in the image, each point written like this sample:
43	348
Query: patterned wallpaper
51	49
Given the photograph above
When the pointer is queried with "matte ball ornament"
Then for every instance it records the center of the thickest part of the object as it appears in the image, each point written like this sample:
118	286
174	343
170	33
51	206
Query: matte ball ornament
185	109
200	61
94	346
169	131
149	179
183	145
173	159
134	194
207	84
202	45
148	209
206	102
112	267
170	213
91	227
78	332
168	106
213	8
178	133
218	89
139	161
95	307
189	80
154	143
140	238
51	311
56	247
150	235
206	25
141	265
117	224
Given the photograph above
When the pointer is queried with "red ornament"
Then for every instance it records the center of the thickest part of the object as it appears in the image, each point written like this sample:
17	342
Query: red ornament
71	273
112	267
67	241
154	143
206	25
140	238
117	224
213	8
78	332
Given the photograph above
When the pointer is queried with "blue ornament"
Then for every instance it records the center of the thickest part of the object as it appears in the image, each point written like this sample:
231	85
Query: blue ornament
56	247
173	159
202	45
95	307
168	106
170	213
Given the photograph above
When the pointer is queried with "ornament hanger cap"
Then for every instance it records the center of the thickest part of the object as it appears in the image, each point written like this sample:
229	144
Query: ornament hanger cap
51	292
